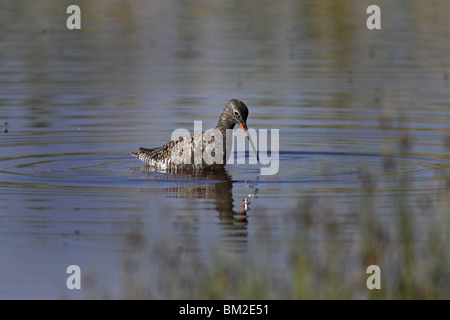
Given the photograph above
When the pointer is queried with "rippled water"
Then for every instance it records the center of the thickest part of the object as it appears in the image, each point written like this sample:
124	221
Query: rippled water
352	106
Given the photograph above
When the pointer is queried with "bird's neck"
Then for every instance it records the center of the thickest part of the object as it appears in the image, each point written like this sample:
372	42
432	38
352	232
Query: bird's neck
224	123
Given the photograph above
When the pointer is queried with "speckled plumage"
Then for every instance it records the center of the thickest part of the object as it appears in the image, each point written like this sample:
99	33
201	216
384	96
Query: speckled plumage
186	152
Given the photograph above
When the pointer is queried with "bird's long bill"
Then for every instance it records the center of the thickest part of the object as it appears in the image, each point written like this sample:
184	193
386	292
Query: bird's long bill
244	127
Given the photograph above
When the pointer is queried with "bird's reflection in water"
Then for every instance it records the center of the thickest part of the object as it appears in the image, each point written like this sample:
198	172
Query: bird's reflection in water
207	184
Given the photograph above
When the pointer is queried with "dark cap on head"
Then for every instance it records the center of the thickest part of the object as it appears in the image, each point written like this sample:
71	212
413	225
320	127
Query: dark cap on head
235	112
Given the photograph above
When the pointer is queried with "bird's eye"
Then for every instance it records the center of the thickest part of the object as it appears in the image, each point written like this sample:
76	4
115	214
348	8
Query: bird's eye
236	113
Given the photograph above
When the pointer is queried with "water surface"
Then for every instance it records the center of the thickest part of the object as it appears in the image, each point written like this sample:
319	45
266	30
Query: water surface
357	110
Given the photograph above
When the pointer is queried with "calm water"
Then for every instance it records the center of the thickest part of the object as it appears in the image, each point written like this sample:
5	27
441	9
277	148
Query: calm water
350	103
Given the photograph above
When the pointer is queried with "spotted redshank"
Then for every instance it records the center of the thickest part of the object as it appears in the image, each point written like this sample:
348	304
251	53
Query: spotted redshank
188	152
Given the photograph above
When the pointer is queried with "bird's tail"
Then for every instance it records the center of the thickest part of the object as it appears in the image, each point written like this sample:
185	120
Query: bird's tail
145	154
